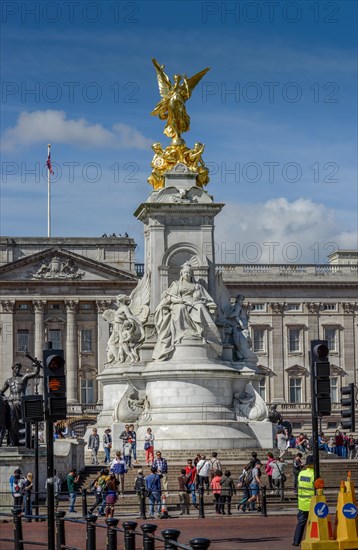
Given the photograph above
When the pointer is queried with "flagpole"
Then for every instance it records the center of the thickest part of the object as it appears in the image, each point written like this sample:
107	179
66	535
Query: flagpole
48	195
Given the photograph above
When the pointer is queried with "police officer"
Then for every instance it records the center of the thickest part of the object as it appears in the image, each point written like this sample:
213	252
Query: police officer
306	490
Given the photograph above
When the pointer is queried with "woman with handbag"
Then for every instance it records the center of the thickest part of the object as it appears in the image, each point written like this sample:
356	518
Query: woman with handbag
278	476
149	447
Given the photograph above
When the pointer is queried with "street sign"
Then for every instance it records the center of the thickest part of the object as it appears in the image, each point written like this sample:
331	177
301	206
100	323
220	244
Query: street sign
350	511
321	510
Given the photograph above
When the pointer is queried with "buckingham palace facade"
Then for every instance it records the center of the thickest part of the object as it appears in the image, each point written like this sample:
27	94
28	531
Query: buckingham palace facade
56	289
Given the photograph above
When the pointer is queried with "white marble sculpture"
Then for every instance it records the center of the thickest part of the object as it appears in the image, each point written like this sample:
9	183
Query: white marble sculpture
237	326
250	405
185	313
131	406
127	324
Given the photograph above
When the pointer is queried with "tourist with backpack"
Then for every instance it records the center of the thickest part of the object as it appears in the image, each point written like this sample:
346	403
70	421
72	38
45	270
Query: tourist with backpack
227	491
139	487
244	485
97	490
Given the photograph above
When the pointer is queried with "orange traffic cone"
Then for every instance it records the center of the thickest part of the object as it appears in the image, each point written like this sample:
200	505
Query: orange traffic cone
165	514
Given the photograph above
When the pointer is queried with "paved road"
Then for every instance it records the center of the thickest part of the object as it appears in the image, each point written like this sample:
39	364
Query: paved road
240	532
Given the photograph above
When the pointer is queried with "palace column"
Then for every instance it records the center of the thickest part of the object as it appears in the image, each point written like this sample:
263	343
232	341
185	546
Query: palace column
39	307
278	353
71	352
7	339
349	341
102	339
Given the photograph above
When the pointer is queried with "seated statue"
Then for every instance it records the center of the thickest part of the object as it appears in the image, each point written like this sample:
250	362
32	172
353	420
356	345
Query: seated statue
185	312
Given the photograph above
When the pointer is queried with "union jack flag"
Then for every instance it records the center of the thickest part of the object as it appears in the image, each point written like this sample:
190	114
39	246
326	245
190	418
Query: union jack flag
49	165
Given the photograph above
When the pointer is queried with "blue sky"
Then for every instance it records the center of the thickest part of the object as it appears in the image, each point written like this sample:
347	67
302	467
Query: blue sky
277	112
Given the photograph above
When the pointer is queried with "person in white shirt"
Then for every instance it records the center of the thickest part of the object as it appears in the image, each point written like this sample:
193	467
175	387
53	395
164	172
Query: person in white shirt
203	469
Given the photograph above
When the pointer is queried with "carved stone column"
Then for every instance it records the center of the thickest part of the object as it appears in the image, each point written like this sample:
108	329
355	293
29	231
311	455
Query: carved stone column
7	339
39	307
278	352
313	309
71	352
102	337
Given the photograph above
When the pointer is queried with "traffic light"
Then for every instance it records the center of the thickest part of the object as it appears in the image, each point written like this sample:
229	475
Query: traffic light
348	400
320	370
25	435
54	384
32	407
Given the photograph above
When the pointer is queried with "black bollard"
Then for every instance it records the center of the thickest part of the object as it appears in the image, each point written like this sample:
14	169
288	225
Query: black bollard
199	544
170	535
84	503
129	534
16	512
60	530
201	502
148	541
142	504
111	533
91	532
28	506
264	502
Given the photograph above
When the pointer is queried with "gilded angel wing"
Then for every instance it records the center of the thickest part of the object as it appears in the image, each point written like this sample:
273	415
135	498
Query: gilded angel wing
195	79
140	297
163	80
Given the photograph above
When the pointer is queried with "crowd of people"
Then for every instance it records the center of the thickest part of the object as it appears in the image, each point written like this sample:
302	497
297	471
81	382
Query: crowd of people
340	444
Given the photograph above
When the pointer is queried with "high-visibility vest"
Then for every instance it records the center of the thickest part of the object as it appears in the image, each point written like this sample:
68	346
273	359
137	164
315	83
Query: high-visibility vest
305	488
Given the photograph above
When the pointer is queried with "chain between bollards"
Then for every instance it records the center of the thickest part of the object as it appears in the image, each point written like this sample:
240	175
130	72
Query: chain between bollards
91	532
148	530
60	529
111	533
170	535
16	512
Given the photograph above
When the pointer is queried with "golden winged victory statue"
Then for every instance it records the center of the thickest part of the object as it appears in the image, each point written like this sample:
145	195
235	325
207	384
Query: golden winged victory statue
172	109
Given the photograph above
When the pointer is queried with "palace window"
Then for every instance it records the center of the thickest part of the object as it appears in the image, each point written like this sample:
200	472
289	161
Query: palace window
54	306
86	340
262	388
293	307
87	391
54	336
331	335
258	339
295	390
23	307
258	307
294	340
329	307
85	306
23	340
334	389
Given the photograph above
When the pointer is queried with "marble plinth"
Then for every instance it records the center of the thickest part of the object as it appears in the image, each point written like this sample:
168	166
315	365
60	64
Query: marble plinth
191	403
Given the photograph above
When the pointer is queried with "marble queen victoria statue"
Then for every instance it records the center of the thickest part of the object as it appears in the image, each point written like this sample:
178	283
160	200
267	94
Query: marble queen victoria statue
185	312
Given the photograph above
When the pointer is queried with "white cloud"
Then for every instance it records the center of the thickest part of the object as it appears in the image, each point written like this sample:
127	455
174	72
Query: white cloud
279	231
53	126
